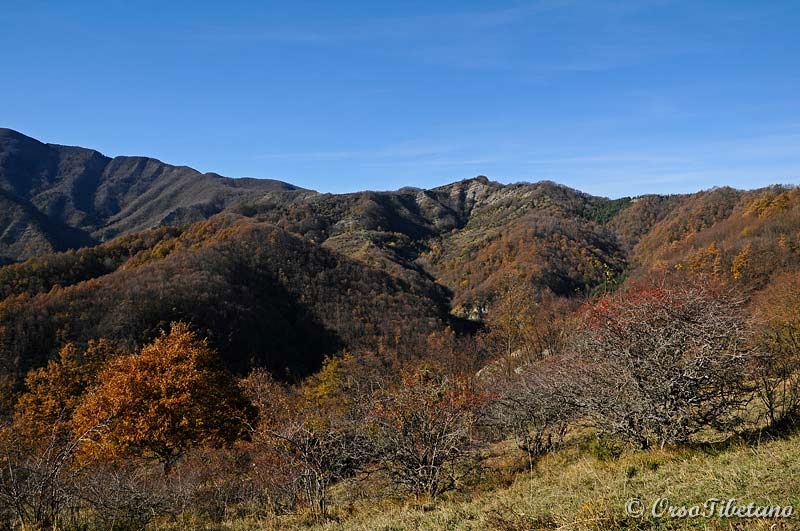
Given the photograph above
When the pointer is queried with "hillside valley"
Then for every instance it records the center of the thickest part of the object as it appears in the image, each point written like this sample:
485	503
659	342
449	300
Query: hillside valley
184	237
183	350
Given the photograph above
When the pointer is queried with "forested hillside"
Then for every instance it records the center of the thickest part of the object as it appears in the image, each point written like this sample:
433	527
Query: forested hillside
279	277
180	348
263	296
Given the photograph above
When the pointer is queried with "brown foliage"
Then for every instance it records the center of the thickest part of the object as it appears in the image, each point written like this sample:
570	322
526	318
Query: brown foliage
171	396
54	391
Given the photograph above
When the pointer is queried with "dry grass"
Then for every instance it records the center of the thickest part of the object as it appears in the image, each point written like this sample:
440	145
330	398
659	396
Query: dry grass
573	490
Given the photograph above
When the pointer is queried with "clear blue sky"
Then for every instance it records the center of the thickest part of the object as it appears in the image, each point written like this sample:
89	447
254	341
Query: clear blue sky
614	97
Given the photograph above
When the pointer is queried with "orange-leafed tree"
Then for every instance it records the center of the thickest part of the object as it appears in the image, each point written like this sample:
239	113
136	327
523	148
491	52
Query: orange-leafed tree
55	390
37	449
170	397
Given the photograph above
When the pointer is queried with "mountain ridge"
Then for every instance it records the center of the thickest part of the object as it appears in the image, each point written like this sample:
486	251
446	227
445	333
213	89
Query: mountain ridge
280	277
101	197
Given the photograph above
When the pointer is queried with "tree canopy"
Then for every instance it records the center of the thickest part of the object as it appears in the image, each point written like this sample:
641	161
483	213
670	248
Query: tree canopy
171	396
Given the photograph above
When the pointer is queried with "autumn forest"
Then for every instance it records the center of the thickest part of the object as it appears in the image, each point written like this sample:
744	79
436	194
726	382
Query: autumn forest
187	351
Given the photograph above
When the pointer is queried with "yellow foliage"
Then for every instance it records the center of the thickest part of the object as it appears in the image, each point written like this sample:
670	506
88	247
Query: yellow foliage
328	389
741	262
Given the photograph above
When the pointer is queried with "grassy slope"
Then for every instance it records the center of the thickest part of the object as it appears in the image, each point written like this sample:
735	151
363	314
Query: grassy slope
574	490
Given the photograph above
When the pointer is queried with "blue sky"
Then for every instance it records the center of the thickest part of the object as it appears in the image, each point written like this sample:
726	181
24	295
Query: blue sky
615	98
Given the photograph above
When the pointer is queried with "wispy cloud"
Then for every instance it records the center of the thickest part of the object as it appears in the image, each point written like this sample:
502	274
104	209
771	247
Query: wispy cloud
394	28
409	151
469	21
610	159
769	146
225	34
743	162
534	36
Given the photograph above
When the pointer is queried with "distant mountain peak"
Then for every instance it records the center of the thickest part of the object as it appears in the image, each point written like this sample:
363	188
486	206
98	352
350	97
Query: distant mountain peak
97	197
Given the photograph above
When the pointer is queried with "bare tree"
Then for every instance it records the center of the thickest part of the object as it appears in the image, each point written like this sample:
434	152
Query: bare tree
310	436
657	365
37	478
523	325
776	368
776	372
322	453
424	432
124	494
532	405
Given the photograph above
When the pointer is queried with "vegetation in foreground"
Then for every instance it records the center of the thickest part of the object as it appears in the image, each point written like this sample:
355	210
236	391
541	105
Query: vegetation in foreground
582	487
167	438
